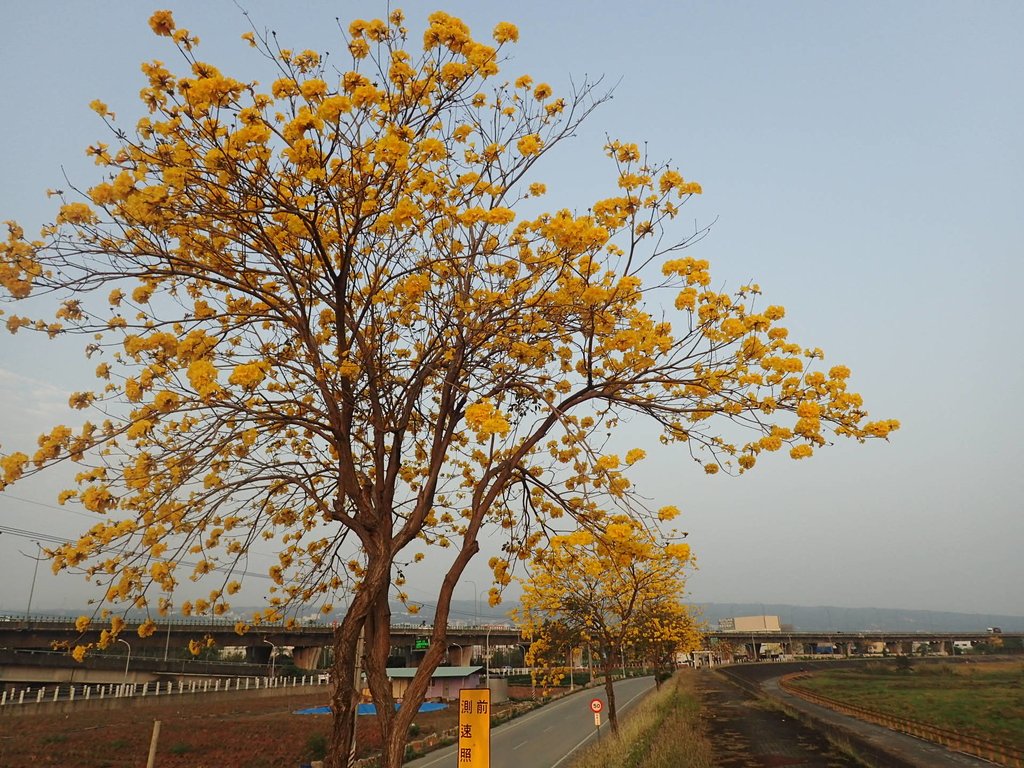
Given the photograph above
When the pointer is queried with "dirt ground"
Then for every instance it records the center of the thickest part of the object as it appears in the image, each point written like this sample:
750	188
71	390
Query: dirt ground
745	733
195	732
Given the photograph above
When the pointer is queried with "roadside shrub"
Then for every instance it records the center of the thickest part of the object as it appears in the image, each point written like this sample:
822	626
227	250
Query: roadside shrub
316	746
904	664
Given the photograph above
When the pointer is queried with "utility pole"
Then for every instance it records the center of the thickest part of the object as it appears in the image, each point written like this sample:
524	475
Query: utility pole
35	570
357	684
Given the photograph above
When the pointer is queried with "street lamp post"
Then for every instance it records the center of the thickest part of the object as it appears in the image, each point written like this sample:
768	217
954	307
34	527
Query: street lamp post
128	660
572	663
273	652
487	657
167	643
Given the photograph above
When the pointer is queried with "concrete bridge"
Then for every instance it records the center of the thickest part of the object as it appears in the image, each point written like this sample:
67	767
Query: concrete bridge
260	644
794	643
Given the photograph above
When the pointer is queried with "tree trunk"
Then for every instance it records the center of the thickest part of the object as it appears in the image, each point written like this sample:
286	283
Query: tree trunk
370	613
344	690
362	618
609	690
378	649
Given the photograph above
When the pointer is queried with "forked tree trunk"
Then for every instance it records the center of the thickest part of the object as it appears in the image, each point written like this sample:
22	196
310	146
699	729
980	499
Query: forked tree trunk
346	686
372	618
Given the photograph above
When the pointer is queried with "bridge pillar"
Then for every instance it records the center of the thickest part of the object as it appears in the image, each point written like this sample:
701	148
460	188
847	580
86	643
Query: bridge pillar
460	655
307	657
258	654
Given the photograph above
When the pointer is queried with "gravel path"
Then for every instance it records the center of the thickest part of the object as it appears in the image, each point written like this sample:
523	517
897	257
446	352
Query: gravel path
746	733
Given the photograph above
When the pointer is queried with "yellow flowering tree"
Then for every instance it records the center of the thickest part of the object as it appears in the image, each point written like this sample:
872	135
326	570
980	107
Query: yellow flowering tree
320	319
618	590
668	628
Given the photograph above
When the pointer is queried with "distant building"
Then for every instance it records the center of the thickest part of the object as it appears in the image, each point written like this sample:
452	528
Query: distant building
444	683
750	624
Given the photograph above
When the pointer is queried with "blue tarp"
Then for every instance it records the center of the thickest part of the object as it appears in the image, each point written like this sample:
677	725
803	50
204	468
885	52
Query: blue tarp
370	709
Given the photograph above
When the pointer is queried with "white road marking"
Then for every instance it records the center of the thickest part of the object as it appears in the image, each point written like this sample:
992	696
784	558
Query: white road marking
591	735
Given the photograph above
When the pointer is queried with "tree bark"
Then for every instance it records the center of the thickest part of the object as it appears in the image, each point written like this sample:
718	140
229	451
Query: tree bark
609	690
343	693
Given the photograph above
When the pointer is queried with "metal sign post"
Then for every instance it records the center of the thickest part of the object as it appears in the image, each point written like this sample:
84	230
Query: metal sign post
596	705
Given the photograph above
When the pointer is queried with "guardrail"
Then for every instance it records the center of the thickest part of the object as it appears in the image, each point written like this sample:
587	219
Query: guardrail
997	752
28	696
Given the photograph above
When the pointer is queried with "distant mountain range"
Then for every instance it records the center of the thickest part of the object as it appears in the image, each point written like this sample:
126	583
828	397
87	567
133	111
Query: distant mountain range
798	617
816	618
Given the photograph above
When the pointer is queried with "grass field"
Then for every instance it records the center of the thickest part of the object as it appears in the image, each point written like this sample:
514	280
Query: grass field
982	699
664	731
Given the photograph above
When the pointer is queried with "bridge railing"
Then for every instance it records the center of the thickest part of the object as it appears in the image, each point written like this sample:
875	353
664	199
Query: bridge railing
23	699
221	623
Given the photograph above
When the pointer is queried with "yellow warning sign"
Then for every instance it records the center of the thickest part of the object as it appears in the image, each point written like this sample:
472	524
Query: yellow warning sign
474	728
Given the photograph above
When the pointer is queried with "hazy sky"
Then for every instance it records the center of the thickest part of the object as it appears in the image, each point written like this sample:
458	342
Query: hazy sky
865	165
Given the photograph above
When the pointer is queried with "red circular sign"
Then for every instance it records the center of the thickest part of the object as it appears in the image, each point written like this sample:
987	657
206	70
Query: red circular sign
596	705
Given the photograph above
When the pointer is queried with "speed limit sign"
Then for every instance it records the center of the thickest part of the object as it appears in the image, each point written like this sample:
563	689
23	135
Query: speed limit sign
596	705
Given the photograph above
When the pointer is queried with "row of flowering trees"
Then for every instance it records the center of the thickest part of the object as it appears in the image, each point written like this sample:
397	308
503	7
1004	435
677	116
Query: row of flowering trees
614	593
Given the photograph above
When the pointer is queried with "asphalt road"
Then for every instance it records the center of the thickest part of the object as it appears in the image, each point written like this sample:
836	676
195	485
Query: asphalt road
545	737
